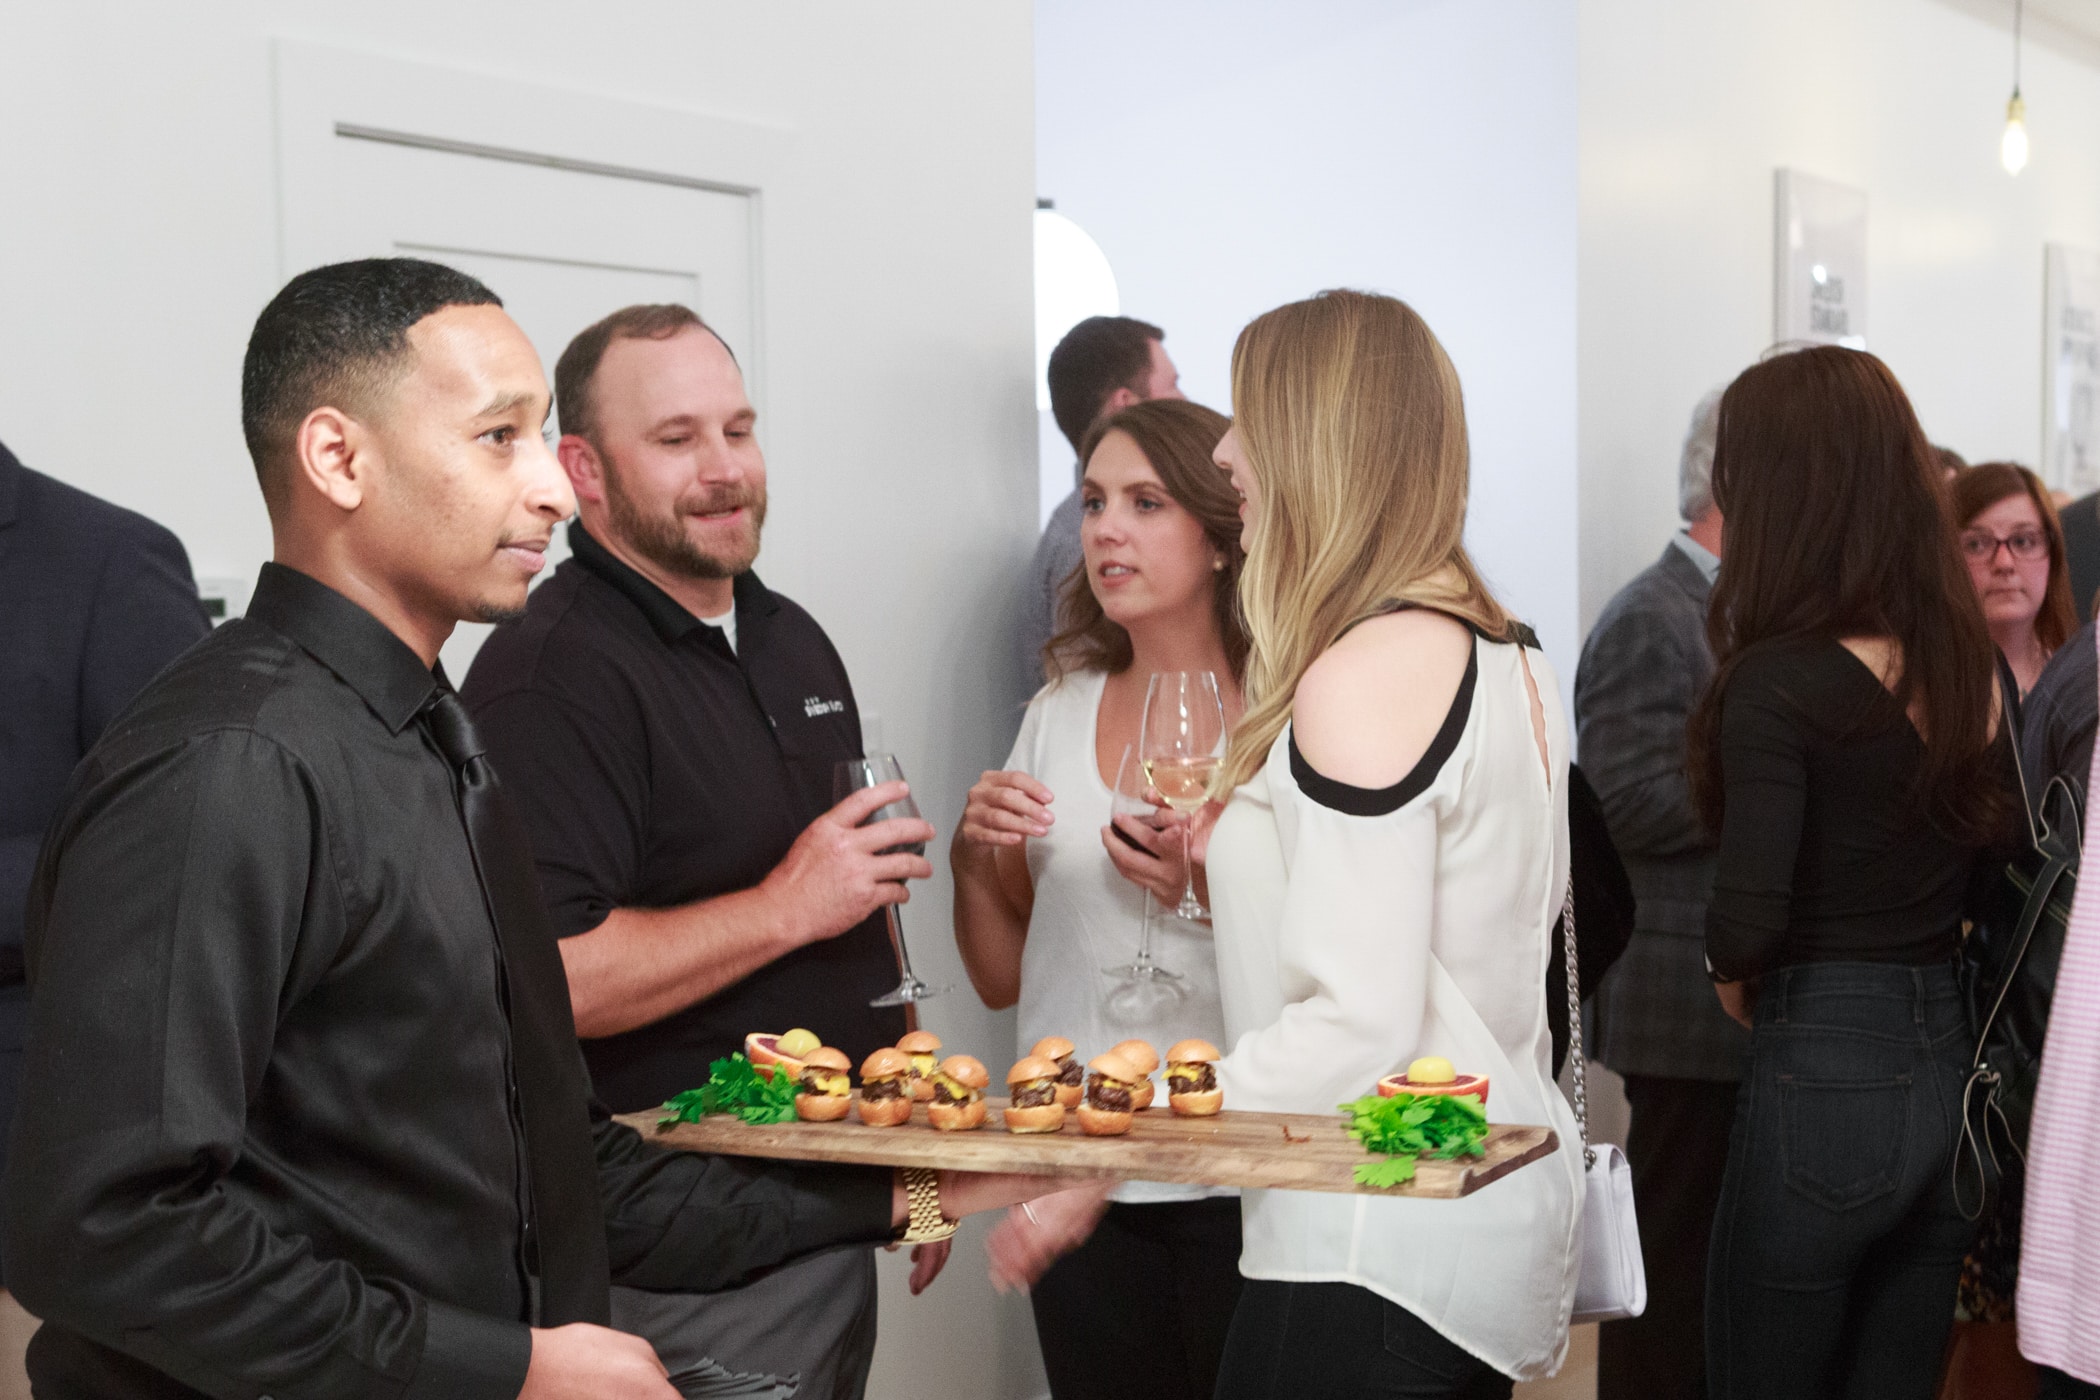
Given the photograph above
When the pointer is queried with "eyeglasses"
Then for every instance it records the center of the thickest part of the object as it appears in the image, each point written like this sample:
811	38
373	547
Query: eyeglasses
1982	546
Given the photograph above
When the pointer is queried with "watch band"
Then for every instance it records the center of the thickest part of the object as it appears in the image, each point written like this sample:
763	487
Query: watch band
922	1192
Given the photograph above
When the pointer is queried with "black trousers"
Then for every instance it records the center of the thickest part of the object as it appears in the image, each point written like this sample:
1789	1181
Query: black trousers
2058	1386
1677	1145
1837	1242
1292	1341
1140	1310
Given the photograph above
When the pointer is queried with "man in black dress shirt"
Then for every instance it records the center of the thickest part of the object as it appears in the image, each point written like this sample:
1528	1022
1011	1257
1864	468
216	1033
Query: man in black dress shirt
280	1100
670	725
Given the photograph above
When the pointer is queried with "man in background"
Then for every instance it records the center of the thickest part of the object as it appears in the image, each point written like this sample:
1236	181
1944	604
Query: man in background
1102	366
2081	527
99	599
671	725
1658	1023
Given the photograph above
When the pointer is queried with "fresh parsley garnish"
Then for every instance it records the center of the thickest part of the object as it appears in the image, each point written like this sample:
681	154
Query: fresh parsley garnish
1406	1127
735	1086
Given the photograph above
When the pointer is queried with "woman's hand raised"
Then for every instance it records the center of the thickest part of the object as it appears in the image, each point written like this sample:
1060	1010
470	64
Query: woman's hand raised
1156	854
1004	809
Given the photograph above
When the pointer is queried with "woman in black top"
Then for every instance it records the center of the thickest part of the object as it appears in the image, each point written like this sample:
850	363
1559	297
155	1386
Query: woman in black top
1849	753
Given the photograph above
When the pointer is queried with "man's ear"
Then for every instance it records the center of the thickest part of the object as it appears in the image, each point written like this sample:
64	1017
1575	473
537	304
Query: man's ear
333	455
1121	399
585	468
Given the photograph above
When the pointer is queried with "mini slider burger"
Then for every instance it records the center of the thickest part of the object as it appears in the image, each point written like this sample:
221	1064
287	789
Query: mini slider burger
958	1094
924	1048
1071	1080
885	1089
823	1093
1111	1091
1433	1074
1145	1059
1192	1079
1033	1083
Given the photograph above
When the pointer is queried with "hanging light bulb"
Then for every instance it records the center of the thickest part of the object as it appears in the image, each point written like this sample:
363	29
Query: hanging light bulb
2012	147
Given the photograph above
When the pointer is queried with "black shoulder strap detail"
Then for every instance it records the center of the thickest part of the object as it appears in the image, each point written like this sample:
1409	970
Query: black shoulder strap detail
1377	802
1519	634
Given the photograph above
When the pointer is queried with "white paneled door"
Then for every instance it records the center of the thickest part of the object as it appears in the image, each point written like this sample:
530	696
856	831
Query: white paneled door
568	206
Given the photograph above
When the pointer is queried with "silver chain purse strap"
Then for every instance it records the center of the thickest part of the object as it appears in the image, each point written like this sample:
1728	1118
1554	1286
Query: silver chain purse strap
1575	1055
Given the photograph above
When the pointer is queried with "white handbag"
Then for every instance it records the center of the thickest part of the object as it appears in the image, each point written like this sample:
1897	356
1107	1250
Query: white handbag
1613	1283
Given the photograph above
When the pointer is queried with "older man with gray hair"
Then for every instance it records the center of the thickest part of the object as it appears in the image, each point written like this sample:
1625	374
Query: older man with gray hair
1658	1023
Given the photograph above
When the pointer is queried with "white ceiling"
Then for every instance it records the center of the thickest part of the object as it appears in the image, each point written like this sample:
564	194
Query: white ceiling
2071	27
2079	16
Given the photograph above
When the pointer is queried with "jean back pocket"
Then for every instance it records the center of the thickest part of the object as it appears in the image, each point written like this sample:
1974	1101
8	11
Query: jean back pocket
1842	1141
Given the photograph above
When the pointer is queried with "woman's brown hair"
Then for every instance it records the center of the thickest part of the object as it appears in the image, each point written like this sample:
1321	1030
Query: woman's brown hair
1836	529
1982	486
1176	437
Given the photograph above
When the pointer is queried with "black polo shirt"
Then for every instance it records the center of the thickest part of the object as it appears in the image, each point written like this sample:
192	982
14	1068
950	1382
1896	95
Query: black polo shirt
656	765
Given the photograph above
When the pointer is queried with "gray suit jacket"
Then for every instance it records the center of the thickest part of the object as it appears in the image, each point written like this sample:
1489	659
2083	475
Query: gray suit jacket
1642	671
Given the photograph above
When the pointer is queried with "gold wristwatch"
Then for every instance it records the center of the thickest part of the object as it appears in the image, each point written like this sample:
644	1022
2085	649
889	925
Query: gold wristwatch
922	1193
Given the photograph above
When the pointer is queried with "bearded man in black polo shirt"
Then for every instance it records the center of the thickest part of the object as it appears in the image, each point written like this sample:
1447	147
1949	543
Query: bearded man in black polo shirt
672	725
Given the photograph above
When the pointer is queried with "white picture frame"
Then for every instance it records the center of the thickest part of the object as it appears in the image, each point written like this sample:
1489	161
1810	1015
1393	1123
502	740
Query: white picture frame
1819	273
2071	369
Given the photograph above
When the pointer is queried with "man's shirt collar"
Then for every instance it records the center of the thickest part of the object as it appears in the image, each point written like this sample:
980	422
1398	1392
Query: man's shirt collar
666	616
1709	562
356	646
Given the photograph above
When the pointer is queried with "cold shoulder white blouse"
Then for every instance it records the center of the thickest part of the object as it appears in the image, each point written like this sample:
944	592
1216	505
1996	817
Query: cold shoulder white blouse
1357	930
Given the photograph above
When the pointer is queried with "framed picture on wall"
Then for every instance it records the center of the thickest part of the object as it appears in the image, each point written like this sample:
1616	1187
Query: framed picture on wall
2071	369
1819	271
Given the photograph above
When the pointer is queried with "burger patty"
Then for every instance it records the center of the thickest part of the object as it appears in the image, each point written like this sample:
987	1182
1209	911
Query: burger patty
1199	1078
876	1090
1037	1095
1069	1071
943	1094
1105	1093
807	1085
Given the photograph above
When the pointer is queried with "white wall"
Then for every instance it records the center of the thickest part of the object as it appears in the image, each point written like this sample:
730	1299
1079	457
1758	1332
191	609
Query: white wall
1233	155
140	239
1689	105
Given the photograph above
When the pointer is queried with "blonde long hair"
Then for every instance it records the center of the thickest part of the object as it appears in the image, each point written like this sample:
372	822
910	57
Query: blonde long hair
1353	425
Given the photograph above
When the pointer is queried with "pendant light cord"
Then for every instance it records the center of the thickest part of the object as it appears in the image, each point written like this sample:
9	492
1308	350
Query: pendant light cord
2019	7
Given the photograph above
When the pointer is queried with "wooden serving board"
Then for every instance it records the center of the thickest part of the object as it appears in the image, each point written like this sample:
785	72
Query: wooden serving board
1298	1152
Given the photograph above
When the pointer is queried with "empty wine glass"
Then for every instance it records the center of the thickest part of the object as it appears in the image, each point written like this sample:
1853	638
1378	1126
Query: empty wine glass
1181	743
847	778
1142	984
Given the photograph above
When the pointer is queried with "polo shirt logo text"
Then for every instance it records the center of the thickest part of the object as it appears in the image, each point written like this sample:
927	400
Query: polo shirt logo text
813	705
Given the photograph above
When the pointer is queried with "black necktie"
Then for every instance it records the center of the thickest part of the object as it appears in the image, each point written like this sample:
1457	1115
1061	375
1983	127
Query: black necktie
567	1221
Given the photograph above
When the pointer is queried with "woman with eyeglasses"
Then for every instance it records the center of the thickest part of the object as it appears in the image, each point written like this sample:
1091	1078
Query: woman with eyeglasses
2015	551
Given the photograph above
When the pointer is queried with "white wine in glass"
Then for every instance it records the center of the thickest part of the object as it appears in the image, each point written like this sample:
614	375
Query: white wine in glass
1181	740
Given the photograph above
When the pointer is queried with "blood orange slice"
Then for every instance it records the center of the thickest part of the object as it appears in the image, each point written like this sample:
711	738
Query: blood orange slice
1464	1084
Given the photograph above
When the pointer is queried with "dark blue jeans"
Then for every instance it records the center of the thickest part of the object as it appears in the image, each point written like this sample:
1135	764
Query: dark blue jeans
1837	1242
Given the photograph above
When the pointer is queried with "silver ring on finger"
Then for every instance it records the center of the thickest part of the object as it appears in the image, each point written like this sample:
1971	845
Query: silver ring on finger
1028	1209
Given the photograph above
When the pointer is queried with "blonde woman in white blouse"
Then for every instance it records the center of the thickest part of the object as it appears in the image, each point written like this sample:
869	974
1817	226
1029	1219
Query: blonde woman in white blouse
1387	868
1046	895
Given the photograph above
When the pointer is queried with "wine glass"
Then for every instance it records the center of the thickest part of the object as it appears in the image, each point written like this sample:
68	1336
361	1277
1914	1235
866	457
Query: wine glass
1181	742
1143	985
847	778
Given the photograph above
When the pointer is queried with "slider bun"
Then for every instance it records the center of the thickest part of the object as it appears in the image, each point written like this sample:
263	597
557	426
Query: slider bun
1201	1105
822	1108
1069	1095
1115	1067
919	1043
1140	1053
1051	1047
885	1113
1100	1122
1047	1119
922	1090
955	1117
1141	1096
966	1070
824	1057
1190	1052
1031	1067
885	1064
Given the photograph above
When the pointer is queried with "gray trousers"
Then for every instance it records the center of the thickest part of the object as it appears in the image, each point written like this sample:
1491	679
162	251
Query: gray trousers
814	1318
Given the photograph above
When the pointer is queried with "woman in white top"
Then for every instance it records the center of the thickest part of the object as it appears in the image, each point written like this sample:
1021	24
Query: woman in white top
1040	908
1387	870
